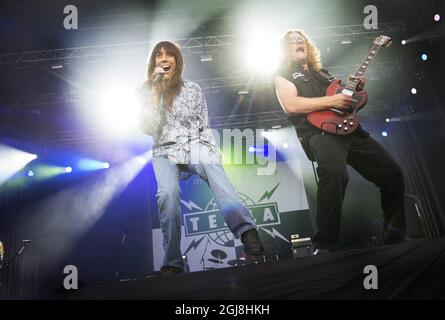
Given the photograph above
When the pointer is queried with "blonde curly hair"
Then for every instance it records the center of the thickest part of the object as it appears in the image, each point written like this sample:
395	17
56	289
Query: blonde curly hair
313	56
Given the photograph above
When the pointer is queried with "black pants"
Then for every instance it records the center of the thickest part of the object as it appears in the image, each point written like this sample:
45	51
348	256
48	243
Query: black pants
374	163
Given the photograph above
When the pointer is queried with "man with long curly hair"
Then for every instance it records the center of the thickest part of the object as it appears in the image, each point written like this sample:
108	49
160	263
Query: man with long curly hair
301	85
174	113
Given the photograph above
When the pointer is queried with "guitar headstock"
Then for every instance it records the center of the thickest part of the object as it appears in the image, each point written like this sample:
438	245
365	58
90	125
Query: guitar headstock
383	41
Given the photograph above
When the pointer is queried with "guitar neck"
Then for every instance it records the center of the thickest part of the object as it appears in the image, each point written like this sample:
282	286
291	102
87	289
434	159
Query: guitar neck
352	84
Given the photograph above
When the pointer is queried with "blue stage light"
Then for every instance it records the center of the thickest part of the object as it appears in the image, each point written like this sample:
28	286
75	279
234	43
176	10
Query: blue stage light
384	133
90	164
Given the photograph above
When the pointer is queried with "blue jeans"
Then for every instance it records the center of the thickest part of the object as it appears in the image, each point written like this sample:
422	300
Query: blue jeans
237	217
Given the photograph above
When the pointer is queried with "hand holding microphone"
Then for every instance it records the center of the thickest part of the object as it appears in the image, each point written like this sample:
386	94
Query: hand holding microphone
158	74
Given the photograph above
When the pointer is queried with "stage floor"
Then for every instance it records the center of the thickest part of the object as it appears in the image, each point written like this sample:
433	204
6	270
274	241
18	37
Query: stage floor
411	270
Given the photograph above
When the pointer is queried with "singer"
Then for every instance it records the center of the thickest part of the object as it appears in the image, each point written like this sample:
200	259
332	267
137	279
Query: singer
174	113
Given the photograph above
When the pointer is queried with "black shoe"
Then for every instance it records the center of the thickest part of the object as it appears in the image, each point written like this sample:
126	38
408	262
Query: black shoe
391	237
253	247
169	270
322	251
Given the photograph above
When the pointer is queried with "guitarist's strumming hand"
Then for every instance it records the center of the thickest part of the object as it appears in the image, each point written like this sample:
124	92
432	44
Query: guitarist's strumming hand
341	101
361	83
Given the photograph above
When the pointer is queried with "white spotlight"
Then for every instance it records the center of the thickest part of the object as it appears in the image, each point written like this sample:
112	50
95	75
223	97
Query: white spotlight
12	161
68	169
106	165
262	52
403	42
414	91
118	110
285	145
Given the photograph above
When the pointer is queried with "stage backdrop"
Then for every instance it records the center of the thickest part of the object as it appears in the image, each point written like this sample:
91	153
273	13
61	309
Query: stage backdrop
277	201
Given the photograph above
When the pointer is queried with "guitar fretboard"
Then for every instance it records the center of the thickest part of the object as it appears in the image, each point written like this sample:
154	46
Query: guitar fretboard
352	84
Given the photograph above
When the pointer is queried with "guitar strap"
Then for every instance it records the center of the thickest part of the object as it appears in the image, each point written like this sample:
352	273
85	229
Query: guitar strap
326	76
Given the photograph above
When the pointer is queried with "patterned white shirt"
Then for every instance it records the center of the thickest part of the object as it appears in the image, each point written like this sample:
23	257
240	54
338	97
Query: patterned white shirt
175	131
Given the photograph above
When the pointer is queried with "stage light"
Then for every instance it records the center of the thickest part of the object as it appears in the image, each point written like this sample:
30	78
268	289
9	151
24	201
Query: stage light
43	171
346	42
403	42
141	160
118	110
206	58
263	53
90	164
12	161
285	145
437	17
251	149
145	158
68	169
387	119
384	133
414	91
424	57
82	206
30	173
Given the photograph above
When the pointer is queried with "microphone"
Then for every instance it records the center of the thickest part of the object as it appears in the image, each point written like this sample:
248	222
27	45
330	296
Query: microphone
158	76
26	241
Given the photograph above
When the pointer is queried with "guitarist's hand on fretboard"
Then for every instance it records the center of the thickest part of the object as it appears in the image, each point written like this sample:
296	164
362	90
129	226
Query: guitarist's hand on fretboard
361	83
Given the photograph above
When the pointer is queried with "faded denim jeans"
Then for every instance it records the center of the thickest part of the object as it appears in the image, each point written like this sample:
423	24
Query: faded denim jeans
237	217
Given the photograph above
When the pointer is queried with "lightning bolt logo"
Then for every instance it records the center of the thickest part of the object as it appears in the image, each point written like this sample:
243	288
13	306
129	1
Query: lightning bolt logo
274	233
190	204
194	245
268	194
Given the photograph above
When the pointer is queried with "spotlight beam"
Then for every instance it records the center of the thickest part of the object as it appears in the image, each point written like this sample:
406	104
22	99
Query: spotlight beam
65	217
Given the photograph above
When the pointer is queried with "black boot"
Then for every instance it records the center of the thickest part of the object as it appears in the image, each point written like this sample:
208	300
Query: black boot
253	246
165	270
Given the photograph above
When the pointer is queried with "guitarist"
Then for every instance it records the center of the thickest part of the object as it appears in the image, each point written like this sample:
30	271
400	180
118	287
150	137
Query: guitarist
300	85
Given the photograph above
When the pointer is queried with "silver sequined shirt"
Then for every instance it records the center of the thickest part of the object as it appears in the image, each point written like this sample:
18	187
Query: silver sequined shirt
175	131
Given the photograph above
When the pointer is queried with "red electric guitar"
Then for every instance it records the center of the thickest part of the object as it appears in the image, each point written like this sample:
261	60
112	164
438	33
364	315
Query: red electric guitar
346	121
